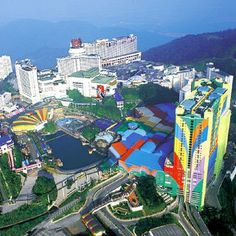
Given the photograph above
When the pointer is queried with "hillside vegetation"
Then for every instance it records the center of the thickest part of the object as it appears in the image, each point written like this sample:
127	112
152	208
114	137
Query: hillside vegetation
219	47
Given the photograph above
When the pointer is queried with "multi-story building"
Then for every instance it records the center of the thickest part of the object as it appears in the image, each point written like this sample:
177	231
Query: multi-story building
5	67
213	72
201	135
112	52
87	62
177	77
92	83
5	99
6	144
71	64
27	80
67	65
51	85
185	91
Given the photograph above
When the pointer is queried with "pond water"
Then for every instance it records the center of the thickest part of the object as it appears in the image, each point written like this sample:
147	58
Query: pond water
71	151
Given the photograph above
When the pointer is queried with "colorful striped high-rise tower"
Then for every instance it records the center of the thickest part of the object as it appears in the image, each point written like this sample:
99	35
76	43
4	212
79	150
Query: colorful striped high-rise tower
201	136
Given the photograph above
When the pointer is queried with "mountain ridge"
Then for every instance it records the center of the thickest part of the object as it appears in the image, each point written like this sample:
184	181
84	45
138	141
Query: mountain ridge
197	49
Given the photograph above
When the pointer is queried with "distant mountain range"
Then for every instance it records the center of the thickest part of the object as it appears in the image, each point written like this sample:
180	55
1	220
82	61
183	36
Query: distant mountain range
44	41
218	47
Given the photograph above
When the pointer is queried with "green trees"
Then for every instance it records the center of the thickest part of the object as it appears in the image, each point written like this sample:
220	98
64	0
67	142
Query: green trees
221	221
22	213
77	96
27	216
45	189
149	93
69	183
105	110
146	190
154	93
89	132
145	225
18	157
130	94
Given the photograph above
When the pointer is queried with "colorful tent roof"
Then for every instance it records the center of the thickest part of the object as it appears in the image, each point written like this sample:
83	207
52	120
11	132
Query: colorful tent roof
30	120
148	146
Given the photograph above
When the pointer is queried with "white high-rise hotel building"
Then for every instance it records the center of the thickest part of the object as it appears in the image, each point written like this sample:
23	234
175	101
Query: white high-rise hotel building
116	51
101	53
5	67
71	64
27	80
112	52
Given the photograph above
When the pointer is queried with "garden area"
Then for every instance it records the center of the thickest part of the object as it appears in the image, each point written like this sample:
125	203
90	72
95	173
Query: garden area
123	211
148	94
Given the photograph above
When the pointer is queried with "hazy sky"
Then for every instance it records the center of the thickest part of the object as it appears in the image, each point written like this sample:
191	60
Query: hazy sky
113	12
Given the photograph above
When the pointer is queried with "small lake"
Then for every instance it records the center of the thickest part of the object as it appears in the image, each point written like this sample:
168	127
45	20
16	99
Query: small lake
71	151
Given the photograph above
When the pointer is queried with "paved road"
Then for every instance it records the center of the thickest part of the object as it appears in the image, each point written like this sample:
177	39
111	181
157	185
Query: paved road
48	225
64	208
102	214
101	192
204	230
183	220
81	180
186	225
118	228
